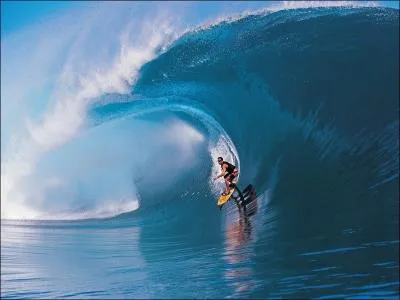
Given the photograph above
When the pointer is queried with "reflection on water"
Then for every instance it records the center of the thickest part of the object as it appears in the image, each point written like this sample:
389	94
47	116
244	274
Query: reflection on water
239	272
238	250
238	234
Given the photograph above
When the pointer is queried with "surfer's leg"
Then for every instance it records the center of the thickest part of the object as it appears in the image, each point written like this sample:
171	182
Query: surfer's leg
234	176
227	183
232	179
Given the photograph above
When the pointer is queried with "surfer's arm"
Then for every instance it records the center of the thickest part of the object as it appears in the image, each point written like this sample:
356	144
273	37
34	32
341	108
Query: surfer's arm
220	175
223	173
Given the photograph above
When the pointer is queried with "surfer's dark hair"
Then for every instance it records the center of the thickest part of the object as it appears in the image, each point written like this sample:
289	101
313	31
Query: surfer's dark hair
220	158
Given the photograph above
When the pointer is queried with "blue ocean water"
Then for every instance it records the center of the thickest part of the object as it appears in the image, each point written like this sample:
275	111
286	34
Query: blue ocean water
304	101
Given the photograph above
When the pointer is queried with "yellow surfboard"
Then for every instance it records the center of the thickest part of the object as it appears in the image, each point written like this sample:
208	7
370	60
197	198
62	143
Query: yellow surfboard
223	199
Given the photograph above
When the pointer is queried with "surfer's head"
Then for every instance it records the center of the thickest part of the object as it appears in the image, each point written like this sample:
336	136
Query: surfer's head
220	160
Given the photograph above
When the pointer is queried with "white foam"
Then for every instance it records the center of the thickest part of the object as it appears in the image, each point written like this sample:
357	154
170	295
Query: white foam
108	209
76	88
275	7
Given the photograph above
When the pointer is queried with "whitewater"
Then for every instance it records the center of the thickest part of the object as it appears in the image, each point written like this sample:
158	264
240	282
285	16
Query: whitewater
111	127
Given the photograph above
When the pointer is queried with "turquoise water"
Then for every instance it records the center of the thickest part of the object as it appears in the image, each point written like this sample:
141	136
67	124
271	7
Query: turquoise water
305	101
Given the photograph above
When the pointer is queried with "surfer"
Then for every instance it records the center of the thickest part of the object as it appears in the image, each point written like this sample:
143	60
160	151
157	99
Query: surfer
229	172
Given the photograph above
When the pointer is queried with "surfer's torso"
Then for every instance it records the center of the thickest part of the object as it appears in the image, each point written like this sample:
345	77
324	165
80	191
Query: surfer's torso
229	168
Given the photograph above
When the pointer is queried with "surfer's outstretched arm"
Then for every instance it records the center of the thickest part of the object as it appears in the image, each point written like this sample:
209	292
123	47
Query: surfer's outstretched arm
220	175
223	173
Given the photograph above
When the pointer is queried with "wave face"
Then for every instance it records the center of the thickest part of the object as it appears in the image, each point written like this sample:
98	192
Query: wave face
312	114
304	101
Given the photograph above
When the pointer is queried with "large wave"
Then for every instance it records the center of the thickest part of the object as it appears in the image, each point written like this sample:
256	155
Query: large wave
303	100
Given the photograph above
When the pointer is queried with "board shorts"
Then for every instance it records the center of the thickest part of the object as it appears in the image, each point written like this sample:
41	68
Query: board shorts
230	176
